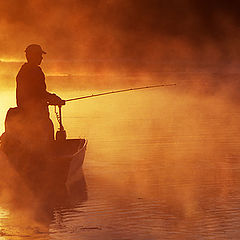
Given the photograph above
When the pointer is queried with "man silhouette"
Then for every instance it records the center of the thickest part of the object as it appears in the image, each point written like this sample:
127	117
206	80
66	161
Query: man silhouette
33	98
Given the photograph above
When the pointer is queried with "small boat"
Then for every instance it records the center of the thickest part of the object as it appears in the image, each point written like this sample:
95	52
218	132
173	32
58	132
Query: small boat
70	152
61	160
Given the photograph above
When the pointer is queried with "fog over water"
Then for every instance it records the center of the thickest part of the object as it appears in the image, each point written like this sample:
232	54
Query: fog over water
160	163
122	35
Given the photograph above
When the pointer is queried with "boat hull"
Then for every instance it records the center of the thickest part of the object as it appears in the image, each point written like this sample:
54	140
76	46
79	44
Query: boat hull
62	160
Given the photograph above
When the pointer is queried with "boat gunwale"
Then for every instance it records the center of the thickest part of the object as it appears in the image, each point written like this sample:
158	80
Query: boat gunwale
79	150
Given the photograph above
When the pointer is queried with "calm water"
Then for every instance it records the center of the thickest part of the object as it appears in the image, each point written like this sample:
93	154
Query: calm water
159	165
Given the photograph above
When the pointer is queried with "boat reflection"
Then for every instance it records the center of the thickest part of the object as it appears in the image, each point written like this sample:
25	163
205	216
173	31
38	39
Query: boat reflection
32	201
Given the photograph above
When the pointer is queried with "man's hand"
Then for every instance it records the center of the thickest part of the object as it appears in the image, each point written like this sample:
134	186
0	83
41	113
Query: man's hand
62	102
55	100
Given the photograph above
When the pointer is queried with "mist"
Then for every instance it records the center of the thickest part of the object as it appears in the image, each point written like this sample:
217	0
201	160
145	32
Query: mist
107	44
123	34
173	152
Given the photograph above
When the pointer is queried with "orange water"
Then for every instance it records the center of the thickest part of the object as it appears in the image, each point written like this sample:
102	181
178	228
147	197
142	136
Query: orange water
159	165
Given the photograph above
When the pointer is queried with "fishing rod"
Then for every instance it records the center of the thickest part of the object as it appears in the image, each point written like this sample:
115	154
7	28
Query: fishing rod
61	133
119	91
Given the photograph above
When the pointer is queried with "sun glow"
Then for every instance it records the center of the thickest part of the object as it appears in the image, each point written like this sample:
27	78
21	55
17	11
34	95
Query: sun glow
11	60
3	213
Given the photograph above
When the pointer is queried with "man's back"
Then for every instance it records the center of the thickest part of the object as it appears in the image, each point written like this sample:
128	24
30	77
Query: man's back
31	88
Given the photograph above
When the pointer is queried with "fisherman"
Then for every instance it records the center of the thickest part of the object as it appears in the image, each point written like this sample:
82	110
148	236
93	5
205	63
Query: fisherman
33	98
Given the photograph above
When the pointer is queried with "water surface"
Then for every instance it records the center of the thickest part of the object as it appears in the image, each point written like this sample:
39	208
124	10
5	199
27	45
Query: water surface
159	165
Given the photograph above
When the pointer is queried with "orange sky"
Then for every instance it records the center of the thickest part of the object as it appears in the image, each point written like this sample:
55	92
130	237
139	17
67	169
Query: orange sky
112	37
123	31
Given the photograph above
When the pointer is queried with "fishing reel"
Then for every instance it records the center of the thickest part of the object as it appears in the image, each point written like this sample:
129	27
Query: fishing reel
61	133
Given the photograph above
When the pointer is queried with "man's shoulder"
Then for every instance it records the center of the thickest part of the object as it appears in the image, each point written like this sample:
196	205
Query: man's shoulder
30	71
30	67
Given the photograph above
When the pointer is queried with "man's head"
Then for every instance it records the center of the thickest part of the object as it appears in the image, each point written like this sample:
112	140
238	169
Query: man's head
34	54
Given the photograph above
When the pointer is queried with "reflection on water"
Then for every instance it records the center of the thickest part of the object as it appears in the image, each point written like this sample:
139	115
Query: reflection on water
26	212
159	165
